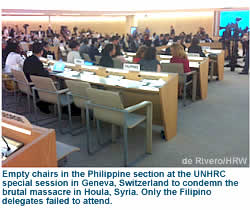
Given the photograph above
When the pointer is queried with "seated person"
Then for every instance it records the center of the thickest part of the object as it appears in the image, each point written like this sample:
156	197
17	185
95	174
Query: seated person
139	54
33	66
93	50
14	59
74	54
84	48
179	56
149	61
107	53
46	51
195	47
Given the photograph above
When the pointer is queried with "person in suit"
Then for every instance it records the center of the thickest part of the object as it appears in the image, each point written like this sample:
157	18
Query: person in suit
46	51
84	48
172	30
195	47
33	66
107	53
50	32
93	50
246	67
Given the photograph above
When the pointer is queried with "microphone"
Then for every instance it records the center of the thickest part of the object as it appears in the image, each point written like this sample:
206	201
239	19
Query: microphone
8	148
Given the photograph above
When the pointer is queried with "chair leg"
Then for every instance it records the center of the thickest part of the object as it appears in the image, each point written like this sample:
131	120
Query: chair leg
149	130
99	132
59	116
88	131
34	104
125	145
83	116
55	110
194	87
115	130
28	98
184	95
70	118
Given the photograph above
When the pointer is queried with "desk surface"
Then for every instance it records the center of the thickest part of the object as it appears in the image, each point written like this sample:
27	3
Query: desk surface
159	88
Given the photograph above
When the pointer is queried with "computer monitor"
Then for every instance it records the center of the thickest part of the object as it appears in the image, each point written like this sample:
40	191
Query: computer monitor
59	67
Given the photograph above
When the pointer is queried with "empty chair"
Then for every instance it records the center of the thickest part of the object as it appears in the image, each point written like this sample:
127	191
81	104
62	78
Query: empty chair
78	92
108	107
23	85
97	59
8	87
118	64
47	92
86	57
178	68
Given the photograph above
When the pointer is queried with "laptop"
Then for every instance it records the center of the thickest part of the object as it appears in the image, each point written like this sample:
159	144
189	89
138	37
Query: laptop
59	67
87	63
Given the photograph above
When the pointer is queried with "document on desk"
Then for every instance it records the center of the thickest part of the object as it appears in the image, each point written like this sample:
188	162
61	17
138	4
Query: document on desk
194	64
13	145
166	56
129	83
213	51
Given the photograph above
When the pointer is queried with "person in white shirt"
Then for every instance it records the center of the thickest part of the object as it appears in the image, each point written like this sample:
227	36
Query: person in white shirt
74	54
14	59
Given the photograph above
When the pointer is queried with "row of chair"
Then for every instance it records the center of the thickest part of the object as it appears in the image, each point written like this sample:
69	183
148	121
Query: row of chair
106	106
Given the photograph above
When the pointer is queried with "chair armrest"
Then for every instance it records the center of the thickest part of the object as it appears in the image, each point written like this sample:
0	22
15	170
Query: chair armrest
138	106
189	73
30	83
62	91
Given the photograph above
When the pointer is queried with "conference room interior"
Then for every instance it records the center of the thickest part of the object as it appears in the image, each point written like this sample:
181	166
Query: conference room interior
90	111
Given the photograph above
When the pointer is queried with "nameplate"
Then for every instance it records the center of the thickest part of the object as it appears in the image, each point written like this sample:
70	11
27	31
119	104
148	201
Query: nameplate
79	62
131	67
50	57
16	122
29	53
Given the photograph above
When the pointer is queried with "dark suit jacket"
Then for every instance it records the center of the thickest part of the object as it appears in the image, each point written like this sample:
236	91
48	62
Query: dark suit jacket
33	66
196	49
93	51
106	61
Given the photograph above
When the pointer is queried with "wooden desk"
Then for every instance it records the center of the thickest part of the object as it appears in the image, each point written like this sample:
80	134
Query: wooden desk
39	148
220	60
199	64
164	98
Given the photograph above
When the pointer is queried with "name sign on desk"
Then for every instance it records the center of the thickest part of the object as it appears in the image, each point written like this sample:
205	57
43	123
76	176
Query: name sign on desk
131	67
29	53
50	57
16	122
79	62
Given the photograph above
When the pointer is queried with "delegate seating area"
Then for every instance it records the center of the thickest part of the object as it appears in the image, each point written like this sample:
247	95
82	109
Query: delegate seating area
111	112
